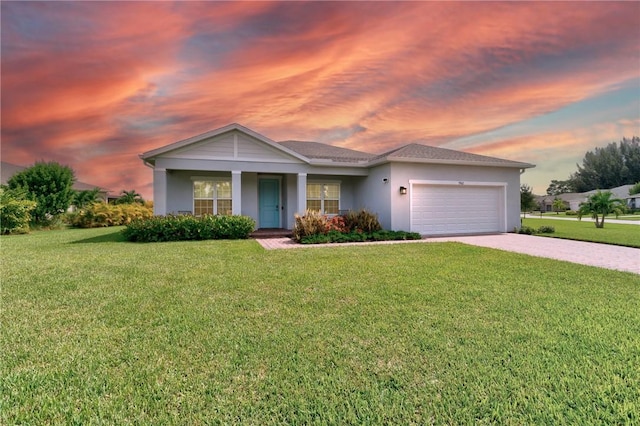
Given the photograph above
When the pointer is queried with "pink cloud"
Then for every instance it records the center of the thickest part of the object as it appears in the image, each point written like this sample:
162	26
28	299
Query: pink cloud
100	82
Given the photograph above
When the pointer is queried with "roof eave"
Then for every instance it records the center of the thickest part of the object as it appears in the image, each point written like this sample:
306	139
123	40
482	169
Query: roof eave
514	164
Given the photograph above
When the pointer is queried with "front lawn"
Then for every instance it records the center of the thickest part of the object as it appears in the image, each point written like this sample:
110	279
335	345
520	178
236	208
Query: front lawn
612	233
96	330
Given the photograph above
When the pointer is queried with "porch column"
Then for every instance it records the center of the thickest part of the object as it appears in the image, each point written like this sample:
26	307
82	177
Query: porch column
236	192
159	191
302	193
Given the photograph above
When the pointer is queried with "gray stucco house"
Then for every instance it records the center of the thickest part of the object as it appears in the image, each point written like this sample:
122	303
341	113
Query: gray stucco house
433	191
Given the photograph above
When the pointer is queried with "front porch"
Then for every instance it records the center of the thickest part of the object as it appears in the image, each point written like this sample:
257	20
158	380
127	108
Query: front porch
262	233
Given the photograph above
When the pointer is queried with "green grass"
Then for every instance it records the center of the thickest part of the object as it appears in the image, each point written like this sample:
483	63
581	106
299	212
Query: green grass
633	218
99	331
612	233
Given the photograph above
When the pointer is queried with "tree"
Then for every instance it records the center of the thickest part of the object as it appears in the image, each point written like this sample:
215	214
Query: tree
635	189
609	167
49	185
129	197
558	204
601	203
82	199
527	199
558	187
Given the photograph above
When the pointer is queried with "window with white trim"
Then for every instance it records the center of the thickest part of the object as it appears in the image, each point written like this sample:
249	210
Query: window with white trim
323	197
211	197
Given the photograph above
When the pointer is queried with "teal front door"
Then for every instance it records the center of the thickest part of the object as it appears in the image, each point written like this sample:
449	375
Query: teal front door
269	203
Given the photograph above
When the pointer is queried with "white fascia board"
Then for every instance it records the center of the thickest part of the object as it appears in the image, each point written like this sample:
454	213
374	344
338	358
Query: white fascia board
326	162
513	165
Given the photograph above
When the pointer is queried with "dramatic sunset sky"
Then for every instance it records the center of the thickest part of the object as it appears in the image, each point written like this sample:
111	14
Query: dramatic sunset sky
93	84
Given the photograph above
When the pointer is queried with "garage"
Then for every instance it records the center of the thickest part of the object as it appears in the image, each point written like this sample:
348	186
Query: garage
456	208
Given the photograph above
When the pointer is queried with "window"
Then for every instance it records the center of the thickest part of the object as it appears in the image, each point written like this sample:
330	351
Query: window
212	197
323	197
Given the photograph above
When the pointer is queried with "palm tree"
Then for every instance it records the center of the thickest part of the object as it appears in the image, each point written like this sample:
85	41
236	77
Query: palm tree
558	204
601	203
129	197
85	197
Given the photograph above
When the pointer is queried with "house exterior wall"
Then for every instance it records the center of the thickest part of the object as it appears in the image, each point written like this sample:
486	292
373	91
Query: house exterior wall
249	195
373	194
401	173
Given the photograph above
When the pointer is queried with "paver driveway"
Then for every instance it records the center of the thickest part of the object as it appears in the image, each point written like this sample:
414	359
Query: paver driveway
602	255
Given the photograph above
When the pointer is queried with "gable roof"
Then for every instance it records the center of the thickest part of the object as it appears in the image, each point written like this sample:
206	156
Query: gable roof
321	151
419	153
149	156
7	170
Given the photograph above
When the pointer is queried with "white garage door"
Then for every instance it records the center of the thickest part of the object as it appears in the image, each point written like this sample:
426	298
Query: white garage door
457	209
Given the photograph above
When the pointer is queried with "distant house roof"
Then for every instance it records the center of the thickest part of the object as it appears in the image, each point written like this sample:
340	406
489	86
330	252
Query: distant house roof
7	170
618	192
621	192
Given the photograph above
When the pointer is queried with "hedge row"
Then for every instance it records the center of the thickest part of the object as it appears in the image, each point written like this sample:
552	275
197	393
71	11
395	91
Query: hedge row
101	214
351	237
183	228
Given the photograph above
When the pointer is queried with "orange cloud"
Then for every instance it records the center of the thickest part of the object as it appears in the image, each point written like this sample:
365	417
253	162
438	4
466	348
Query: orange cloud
99	82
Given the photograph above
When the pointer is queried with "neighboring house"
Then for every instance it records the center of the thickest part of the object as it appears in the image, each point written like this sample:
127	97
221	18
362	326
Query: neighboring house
7	170
433	191
573	200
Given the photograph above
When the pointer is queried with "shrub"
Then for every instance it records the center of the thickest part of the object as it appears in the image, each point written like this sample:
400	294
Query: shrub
526	230
384	235
101	214
363	220
312	223
15	211
545	229
571	213
186	227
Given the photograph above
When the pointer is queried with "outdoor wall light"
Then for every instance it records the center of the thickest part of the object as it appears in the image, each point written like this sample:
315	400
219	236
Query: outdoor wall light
403	190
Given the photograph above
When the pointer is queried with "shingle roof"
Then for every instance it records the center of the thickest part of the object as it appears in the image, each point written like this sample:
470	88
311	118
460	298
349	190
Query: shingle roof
324	153
412	152
425	153
317	150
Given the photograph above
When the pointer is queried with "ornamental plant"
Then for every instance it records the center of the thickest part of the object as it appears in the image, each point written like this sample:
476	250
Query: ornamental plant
101	214
355	226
